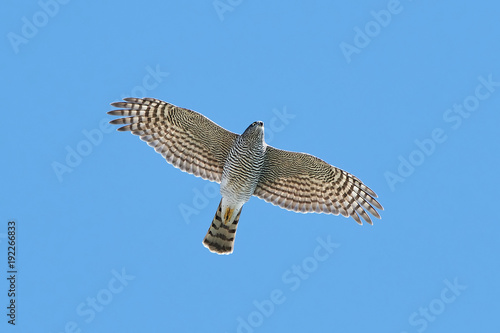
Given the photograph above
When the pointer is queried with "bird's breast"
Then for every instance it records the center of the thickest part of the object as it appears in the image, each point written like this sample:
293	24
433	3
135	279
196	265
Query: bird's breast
241	172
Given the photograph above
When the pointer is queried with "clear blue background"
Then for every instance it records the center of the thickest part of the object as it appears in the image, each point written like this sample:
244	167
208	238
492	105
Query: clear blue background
118	207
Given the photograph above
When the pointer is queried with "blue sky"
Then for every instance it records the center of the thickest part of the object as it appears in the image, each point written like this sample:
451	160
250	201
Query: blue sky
404	95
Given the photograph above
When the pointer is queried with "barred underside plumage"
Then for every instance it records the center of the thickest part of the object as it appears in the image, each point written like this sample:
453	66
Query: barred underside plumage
187	139
245	166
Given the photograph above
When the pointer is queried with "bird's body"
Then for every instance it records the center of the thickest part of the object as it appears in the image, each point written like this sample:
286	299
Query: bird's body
244	165
240	177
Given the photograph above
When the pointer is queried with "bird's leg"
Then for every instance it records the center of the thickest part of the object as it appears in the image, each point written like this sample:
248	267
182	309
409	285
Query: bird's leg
227	215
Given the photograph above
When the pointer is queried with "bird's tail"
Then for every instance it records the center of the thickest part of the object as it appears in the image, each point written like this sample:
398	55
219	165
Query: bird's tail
220	237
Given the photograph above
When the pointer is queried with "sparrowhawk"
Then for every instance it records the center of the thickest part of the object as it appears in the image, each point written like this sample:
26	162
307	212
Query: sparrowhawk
244	165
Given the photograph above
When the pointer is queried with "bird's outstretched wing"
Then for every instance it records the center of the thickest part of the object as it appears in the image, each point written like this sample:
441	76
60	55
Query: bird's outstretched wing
188	140
305	183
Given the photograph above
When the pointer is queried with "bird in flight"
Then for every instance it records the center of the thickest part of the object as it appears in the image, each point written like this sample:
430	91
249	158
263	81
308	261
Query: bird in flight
244	165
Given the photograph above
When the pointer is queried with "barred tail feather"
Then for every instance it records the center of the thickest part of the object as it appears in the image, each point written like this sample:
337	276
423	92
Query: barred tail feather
220	237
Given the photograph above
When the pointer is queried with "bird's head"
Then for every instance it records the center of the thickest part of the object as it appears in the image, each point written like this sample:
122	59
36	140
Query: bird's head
256	129
254	132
